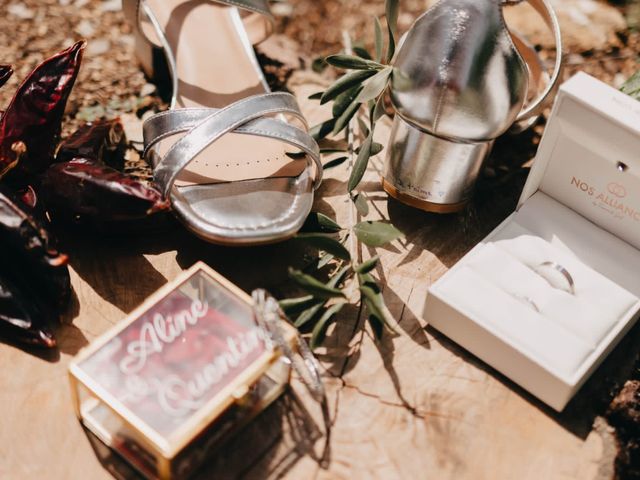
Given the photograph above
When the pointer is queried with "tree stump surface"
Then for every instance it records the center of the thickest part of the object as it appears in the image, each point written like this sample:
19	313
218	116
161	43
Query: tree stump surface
412	406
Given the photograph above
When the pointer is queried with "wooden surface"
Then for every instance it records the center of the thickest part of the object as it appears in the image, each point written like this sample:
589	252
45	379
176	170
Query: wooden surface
414	406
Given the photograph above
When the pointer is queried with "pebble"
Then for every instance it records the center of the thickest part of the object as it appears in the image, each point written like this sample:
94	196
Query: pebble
111	5
21	11
98	47
85	29
147	89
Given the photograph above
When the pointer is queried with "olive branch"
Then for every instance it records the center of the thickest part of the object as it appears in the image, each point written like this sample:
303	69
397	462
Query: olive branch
358	92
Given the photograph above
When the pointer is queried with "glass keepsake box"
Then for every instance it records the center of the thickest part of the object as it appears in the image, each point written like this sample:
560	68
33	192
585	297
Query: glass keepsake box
182	373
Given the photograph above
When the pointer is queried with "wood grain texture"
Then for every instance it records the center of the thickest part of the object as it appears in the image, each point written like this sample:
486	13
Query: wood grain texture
413	406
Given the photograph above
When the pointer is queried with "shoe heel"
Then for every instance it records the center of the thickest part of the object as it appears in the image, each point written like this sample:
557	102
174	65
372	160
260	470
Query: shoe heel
431	173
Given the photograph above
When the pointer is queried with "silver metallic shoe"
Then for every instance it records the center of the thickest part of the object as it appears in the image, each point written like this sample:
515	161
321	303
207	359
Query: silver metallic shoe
460	80
235	160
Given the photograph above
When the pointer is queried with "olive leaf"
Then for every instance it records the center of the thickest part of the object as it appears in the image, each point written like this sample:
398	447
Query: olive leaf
323	129
352	62
632	86
320	329
391	13
291	306
361	204
325	243
374	301
362	52
319	222
361	163
315	96
325	260
374	86
308	315
335	163
367	266
376	234
343	121
379	42
344	100
376	148
338	276
314	286
345	83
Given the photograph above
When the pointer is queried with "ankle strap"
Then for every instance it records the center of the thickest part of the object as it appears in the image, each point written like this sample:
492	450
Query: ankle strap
255	11
547	13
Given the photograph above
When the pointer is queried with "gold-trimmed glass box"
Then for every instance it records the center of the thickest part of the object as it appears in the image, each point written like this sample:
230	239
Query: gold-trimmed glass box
182	373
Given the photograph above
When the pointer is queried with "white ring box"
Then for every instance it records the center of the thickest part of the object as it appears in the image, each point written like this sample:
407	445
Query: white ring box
580	208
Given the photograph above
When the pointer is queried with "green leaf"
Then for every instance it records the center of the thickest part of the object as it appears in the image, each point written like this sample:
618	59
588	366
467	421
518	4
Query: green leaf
306	316
335	163
320	329
379	42
378	111
345	83
314	286
345	118
352	62
325	243
377	325
319	223
342	101
376	148
632	86
325	260
375	303
364	130
294	305
374	87
361	204
366	267
391	13
315	96
376	234
362	52
361	163
318	65
323	129
337	277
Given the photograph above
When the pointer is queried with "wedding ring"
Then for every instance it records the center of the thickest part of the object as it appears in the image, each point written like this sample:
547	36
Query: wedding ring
556	267
526	300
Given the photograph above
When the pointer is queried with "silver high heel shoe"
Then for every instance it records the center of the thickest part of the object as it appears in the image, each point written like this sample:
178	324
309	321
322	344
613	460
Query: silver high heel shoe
461	80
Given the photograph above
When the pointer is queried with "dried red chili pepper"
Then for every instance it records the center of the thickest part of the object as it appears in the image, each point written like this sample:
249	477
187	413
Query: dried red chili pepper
30	127
28	254
5	73
88	191
100	141
21	318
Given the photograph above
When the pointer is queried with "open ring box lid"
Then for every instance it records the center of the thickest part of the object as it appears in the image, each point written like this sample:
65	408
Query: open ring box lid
179	375
581	201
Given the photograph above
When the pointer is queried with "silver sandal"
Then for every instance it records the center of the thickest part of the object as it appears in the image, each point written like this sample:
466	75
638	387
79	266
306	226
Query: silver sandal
235	160
461	79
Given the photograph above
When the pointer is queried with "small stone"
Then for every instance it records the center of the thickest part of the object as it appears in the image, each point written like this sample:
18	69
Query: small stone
85	29
21	11
111	5
132	127
98	47
147	89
